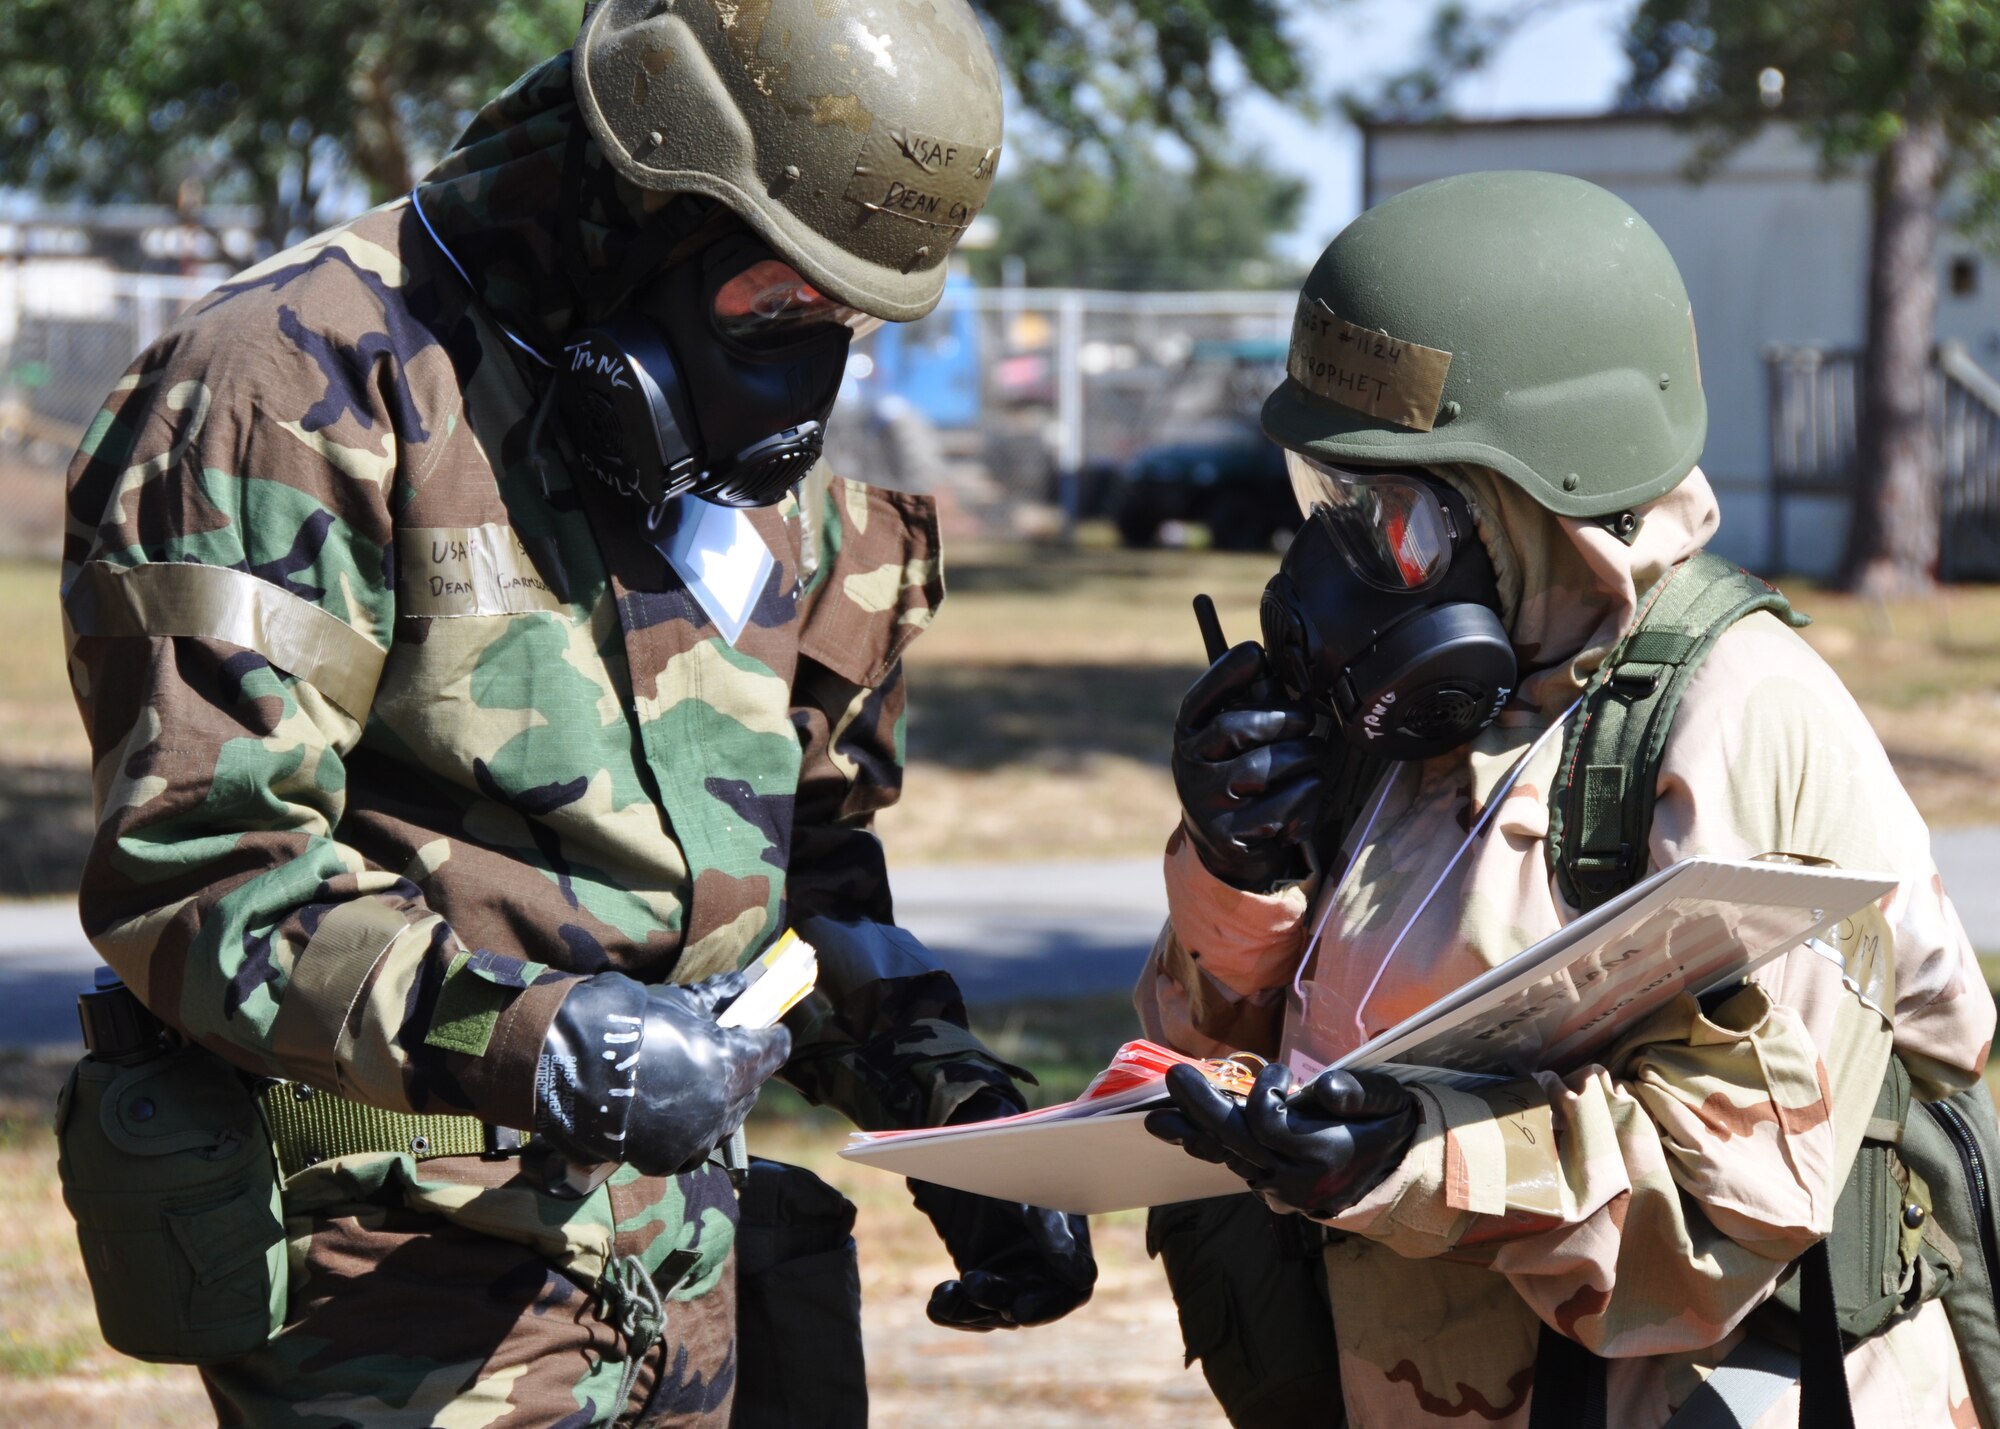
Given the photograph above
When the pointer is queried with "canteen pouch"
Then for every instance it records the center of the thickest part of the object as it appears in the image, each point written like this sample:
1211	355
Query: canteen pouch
167	1167
1889	1253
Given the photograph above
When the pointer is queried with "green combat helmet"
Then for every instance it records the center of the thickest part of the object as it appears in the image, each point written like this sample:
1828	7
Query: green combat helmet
859	139
1527	322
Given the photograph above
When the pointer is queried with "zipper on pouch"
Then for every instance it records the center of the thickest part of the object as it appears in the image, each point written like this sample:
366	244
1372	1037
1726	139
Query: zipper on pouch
1948	1117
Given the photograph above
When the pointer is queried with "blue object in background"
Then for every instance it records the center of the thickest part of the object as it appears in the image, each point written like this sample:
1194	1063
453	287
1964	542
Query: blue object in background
933	363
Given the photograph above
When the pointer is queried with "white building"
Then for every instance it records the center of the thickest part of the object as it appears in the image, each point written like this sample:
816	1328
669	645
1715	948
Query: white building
1773	252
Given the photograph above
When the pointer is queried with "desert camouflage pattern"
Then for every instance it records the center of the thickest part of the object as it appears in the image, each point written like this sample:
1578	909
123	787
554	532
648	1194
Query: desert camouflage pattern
1646	1204
399	731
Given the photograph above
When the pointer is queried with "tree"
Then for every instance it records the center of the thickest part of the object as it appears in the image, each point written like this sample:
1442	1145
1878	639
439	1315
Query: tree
1143	224
270	104
110	99
1908	87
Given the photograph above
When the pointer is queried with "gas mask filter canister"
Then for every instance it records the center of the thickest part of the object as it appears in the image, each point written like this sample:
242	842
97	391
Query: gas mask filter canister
716	382
1385	611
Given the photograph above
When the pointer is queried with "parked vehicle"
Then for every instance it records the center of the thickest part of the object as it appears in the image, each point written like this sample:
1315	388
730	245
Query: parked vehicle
1225	475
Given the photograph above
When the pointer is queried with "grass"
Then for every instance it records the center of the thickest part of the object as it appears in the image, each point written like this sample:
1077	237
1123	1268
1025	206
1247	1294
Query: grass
37	716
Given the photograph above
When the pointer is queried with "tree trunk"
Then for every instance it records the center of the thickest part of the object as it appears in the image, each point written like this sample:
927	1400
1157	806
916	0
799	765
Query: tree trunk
1892	542
377	143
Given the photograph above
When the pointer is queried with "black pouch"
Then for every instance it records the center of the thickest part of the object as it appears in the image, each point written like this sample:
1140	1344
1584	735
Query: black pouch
1250	1286
798	1304
167	1167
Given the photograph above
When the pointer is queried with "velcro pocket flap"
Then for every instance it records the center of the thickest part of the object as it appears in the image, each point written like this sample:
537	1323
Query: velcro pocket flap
189	1100
880	588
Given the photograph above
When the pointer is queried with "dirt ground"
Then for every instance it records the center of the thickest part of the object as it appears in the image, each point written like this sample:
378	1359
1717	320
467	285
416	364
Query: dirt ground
1116	1361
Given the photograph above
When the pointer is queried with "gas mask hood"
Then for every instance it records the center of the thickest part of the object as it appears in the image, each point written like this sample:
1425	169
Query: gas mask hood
715	381
1385	612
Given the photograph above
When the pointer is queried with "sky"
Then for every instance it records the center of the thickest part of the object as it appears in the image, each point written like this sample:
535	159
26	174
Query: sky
1567	62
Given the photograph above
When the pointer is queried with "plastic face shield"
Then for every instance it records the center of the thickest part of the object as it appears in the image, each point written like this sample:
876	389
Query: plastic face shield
768	305
1389	524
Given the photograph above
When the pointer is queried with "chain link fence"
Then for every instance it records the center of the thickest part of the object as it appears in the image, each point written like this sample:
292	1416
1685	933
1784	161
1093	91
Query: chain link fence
1021	396
67	330
1012	400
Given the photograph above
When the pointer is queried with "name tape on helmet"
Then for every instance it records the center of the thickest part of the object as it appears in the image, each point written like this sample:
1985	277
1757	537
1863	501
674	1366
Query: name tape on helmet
1366	370
927	180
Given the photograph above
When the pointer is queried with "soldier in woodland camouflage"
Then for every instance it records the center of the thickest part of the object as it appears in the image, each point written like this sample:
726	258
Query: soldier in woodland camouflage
404	730
1643	1205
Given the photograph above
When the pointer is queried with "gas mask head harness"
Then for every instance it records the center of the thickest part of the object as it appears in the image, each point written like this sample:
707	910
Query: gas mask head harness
1385	611
715	381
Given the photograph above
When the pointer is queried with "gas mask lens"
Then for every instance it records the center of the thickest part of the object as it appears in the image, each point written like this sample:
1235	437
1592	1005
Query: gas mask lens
1390	525
769	304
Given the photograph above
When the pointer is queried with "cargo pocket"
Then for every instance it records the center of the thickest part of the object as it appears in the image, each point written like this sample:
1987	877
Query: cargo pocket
1253	1312
798	1298
169	1174
878	585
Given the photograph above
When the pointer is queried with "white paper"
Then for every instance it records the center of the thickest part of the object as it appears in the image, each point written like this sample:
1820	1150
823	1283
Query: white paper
1085	1166
1701	924
720	558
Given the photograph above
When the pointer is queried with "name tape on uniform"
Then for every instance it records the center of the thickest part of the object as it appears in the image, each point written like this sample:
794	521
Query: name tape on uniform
467	570
1369	371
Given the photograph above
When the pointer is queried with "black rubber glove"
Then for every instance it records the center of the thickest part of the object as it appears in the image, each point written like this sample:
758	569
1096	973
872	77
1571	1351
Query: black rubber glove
1248	771
1017	1264
1317	1151
641	1073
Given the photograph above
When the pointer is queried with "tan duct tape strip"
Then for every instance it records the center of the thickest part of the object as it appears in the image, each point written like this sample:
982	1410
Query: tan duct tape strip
327	980
1369	371
209	602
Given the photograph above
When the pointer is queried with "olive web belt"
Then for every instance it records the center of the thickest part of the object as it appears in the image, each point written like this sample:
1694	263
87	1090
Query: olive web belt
309	1126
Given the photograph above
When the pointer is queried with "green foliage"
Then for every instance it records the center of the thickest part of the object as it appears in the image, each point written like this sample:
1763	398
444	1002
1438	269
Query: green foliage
1852	74
1096	69
133	99
1144	224
271	104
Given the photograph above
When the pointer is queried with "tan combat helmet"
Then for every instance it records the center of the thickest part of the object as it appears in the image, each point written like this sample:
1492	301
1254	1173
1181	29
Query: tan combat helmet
859	137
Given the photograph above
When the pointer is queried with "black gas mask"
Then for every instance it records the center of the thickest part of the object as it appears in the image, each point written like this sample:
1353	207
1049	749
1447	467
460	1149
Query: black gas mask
1385	611
716	381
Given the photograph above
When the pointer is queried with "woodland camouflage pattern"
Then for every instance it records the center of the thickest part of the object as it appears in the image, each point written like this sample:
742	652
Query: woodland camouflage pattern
361	666
1645	1205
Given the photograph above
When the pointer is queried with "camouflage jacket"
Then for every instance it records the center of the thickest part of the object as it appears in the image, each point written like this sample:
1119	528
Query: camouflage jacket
1645	1204
398	730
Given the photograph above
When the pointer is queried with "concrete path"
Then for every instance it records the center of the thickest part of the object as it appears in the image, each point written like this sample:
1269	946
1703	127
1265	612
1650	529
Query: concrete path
1004	930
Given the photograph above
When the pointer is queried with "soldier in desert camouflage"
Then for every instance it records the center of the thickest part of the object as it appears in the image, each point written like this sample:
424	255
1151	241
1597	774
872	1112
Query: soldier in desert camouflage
422	774
1518	348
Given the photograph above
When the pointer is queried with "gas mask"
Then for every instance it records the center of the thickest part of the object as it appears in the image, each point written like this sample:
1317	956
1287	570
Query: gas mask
715	382
1385	611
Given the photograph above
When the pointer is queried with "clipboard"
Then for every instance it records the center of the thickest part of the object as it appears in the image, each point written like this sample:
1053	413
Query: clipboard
1703	923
